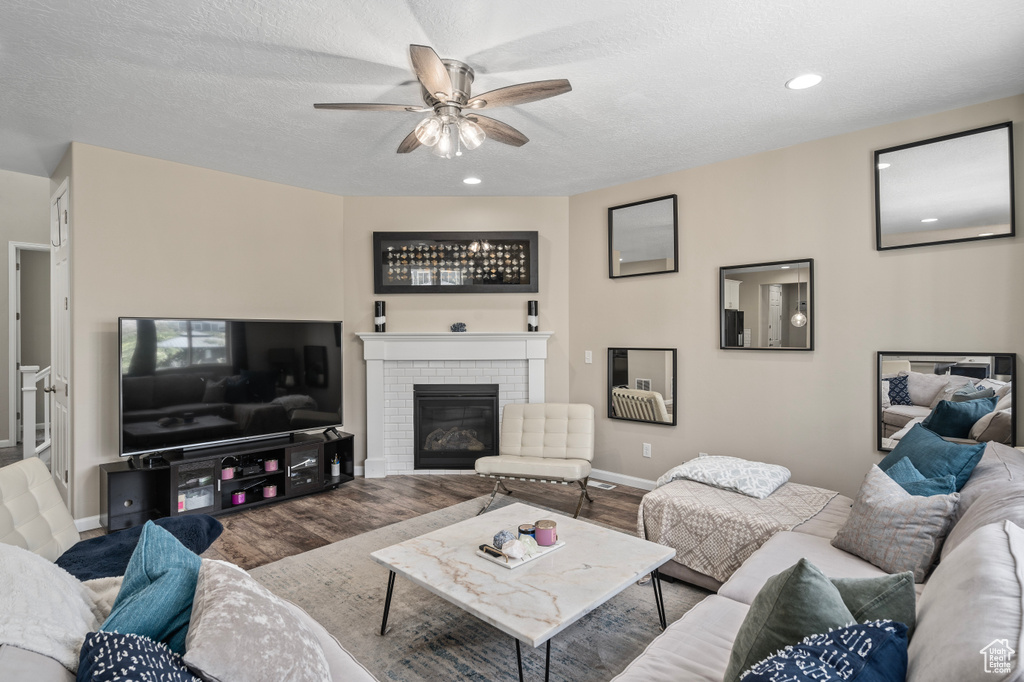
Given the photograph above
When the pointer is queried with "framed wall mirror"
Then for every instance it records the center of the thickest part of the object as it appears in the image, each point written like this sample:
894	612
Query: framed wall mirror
642	385
963	397
643	237
954	188
767	306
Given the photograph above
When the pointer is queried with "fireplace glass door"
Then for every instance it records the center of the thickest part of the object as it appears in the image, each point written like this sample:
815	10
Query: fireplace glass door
454	424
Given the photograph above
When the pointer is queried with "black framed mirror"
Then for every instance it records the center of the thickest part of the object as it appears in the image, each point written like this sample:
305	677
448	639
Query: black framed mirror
954	188
979	389
643	237
767	306
642	385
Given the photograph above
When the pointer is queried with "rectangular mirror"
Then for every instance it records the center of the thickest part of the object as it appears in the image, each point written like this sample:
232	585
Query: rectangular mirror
642	384
643	238
767	306
954	188
912	385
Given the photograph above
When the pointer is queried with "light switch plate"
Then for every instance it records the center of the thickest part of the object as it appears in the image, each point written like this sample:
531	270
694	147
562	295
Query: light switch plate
588	357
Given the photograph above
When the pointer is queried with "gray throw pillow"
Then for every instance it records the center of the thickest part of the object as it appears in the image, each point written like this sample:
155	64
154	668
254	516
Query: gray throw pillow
798	602
887	597
971	392
895	530
240	631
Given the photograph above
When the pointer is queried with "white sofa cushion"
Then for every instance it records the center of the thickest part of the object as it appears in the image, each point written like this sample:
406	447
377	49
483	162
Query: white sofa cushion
899	415
32	513
973	601
784	550
695	648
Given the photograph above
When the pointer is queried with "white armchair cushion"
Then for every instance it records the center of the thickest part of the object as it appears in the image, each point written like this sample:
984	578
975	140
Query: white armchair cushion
32	513
546	468
555	430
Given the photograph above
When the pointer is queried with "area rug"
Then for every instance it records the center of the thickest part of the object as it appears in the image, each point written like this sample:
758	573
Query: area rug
430	639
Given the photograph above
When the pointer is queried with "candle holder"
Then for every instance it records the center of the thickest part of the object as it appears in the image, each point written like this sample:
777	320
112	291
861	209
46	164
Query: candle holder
532	323
379	318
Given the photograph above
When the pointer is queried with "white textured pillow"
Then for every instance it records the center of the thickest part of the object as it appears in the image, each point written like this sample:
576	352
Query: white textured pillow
925	387
954	383
240	631
1000	387
755	479
43	608
884	395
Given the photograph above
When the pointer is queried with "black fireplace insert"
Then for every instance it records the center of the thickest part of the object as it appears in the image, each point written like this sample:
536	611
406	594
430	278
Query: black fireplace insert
454	424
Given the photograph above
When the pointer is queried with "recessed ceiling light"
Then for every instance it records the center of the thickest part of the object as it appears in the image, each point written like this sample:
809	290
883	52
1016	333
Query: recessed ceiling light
808	80
883	166
986	234
472	181
929	220
785	267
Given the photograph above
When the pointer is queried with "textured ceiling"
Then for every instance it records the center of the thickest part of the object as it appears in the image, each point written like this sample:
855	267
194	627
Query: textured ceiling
658	85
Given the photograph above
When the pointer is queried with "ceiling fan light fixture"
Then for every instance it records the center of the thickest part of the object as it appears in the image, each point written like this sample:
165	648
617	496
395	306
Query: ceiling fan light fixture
428	132
448	142
471	134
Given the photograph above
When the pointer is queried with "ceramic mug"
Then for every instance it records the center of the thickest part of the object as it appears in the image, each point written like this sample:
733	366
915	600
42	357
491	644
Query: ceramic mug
545	533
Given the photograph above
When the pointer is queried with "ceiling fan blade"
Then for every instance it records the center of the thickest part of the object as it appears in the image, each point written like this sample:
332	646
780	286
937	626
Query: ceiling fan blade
351	106
520	94
409	143
431	71
500	132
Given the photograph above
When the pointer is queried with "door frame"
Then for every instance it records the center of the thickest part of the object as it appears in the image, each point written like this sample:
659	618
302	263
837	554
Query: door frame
13	296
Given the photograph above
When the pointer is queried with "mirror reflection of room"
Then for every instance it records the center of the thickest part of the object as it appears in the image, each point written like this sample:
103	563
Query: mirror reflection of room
964	398
767	305
641	384
642	237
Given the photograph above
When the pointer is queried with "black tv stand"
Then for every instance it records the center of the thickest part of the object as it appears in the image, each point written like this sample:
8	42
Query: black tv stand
221	480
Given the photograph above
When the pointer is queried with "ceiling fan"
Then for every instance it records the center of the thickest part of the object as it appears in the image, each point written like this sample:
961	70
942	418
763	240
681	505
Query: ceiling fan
446	93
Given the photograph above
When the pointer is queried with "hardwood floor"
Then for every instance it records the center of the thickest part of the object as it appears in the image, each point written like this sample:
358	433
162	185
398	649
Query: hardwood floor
258	536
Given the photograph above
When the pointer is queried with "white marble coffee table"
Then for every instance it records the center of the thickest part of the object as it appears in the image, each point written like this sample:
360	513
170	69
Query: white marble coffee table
537	600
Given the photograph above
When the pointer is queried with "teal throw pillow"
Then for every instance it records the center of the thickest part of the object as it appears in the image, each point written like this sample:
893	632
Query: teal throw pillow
155	599
935	457
911	480
886	597
796	603
954	420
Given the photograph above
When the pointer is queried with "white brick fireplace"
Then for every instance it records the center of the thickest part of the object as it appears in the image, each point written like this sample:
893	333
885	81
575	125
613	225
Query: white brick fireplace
395	361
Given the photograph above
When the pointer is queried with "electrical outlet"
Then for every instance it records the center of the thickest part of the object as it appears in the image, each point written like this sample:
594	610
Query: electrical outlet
588	357
647	449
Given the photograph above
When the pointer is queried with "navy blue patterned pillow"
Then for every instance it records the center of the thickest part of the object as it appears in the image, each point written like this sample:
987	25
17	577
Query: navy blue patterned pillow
899	392
872	652
111	656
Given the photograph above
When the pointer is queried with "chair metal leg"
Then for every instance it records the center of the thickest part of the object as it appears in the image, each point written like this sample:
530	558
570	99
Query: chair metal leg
583	494
497	484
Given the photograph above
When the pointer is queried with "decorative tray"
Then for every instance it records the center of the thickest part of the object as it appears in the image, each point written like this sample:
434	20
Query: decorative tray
516	563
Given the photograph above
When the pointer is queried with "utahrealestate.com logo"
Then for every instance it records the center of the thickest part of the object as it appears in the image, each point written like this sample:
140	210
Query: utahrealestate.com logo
998	657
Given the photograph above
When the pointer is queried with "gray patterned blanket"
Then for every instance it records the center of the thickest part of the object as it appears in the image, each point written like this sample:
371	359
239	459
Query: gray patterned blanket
714	531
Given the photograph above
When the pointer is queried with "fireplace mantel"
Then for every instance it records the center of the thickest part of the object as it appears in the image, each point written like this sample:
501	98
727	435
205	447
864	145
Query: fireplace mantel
381	347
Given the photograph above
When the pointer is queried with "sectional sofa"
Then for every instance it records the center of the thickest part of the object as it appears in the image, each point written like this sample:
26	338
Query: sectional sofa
972	599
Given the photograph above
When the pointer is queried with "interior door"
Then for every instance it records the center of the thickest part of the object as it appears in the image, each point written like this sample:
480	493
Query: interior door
60	342
17	434
774	315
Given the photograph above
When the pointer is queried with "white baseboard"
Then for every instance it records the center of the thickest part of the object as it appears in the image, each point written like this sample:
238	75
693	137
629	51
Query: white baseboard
622	479
357	471
88	523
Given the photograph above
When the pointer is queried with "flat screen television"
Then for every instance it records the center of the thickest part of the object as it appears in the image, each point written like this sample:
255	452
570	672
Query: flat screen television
194	383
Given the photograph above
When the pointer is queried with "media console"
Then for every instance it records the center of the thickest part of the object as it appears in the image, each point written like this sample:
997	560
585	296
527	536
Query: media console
223	479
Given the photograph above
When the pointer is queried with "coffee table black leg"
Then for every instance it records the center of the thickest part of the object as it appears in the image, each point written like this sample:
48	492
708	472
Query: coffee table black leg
659	601
387	604
547	661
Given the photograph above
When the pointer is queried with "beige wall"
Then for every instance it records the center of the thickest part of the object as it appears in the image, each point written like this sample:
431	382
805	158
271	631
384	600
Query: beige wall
549	216
812	412
24	217
152	237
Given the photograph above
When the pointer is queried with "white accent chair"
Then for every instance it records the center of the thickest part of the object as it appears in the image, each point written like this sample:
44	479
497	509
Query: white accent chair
32	512
648	406
545	442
